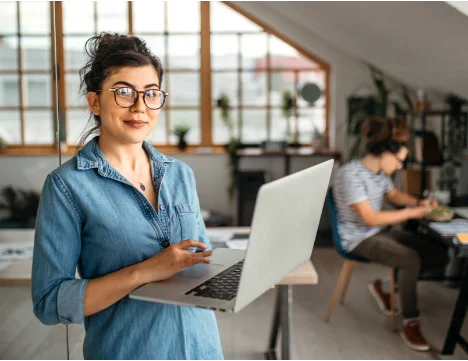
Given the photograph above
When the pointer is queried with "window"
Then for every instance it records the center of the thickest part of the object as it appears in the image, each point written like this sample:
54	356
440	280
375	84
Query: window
253	68
207	49
26	97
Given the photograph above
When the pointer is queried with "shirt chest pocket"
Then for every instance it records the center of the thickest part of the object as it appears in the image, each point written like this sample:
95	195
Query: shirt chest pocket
185	223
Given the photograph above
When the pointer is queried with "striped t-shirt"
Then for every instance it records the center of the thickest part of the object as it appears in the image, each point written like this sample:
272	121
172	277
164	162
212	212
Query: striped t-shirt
355	183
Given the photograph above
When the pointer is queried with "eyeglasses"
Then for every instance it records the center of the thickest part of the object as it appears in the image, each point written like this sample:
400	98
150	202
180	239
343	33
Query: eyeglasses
127	97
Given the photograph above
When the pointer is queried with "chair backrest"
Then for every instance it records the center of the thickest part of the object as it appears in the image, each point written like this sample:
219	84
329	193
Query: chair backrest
335	234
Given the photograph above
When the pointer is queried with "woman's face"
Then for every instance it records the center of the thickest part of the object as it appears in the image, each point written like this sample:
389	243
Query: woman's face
391	162
126	125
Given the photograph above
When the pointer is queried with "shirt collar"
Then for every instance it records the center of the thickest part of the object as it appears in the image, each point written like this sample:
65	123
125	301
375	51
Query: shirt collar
91	156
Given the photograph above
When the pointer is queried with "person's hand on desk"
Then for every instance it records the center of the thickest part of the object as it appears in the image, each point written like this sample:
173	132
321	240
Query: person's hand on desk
419	212
172	260
429	203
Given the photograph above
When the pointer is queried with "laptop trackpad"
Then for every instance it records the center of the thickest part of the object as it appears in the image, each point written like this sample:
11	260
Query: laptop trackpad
197	271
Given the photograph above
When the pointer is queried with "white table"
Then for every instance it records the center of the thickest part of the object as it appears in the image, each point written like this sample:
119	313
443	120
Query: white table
18	273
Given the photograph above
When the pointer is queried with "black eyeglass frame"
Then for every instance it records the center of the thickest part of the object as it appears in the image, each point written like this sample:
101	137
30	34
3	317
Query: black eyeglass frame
165	94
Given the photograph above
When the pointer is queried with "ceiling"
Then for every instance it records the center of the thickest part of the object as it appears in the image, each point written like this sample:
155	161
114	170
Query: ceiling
423	44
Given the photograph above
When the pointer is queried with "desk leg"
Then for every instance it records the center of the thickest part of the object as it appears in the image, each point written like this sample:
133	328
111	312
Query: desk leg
286	321
282	320
453	334
270	354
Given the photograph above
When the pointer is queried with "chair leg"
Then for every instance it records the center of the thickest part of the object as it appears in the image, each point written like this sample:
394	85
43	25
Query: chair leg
346	282
392	298
345	270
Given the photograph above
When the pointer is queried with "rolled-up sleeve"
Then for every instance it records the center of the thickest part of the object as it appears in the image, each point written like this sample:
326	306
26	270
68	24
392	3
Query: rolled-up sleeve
57	296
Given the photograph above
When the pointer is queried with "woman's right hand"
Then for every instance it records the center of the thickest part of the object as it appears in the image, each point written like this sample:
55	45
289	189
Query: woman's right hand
172	260
420	212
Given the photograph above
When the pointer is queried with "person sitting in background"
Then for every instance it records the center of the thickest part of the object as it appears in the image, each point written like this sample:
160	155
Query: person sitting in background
359	190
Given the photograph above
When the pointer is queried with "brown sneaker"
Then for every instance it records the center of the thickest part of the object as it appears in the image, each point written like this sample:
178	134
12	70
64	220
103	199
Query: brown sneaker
412	337
382	298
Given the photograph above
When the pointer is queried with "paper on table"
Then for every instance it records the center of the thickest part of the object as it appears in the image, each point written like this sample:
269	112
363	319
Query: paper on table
238	244
16	251
4	265
219	235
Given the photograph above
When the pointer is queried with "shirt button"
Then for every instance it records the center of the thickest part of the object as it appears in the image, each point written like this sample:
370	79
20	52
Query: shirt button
161	207
165	244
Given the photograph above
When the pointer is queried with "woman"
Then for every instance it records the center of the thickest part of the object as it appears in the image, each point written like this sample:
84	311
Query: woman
125	215
359	189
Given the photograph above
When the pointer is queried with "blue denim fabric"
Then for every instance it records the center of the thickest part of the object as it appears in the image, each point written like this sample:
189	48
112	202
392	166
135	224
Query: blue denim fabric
92	218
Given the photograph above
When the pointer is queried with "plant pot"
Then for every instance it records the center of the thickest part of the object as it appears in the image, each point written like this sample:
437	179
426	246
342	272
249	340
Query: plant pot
182	145
318	143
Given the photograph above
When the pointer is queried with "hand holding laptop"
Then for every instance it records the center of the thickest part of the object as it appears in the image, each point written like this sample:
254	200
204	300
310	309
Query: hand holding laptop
172	260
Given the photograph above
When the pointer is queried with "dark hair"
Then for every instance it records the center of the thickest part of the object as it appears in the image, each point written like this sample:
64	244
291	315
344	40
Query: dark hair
385	135
107	54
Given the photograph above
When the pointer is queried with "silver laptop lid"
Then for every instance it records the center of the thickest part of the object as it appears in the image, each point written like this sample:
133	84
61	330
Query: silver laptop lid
284	226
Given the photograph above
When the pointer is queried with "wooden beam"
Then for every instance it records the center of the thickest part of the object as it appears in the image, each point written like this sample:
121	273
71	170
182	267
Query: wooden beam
205	75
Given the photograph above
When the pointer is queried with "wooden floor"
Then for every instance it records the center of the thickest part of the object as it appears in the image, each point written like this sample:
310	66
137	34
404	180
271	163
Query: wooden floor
357	330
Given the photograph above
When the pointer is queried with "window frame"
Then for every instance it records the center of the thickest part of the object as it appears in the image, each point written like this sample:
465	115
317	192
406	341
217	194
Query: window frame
206	106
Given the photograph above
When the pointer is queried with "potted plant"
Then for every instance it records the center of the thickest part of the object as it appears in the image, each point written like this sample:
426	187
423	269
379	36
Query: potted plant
318	139
287	109
234	143
181	131
3	144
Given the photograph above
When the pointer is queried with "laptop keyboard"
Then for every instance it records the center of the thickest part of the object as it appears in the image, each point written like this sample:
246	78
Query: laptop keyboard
223	286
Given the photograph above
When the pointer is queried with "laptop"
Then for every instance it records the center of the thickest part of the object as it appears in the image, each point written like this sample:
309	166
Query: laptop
284	226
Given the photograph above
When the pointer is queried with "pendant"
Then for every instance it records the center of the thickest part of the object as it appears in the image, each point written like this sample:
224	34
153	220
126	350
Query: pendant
142	187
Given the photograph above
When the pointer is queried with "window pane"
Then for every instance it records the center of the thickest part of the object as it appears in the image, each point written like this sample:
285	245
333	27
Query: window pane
158	136
75	54
35	17
309	118
148	16
184	51
37	90
8	25
280	81
78	17
254	51
156	45
77	121
184	88
189	117
112	16
285	56
315	77
220	130
279	126
39	127
254	128
36	53
223	18
9	53
9	90
10	126
74	96
254	88
225	83
224	52
183	16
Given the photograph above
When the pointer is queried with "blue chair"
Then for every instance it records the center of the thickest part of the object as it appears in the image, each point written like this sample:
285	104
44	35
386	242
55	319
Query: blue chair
349	264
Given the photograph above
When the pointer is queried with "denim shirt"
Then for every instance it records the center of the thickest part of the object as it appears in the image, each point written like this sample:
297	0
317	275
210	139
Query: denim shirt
91	218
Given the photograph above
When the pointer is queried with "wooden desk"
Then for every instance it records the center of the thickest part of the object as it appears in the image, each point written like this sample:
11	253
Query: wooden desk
18	273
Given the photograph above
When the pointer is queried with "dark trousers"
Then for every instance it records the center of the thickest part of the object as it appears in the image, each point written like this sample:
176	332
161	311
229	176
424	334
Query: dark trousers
407	252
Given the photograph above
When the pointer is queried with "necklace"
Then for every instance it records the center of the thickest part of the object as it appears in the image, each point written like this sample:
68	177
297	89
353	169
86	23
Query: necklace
142	186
